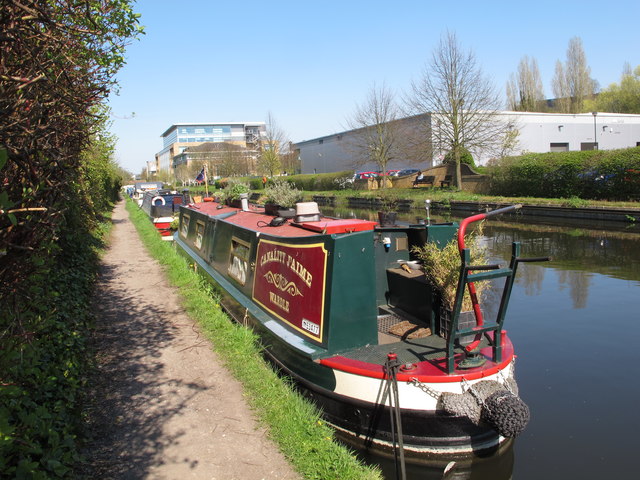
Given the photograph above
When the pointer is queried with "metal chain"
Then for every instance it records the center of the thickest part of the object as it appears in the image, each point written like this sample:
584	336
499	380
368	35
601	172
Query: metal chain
468	387
424	387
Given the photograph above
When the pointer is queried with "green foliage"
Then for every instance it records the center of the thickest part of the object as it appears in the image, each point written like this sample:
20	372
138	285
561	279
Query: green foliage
623	97
442	267
465	157
234	189
604	174
59	63
281	192
319	181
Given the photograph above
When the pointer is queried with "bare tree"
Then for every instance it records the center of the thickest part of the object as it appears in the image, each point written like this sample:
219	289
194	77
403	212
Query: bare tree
271	145
290	158
462	102
572	82
524	90
376	128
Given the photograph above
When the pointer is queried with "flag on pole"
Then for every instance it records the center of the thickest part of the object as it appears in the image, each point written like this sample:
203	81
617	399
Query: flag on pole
200	177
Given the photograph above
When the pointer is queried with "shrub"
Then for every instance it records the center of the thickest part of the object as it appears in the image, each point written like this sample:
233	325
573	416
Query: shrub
281	192
610	174
465	157
442	268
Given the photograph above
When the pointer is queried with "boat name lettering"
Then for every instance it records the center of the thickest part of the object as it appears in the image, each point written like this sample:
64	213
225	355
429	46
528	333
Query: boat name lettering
286	259
279	301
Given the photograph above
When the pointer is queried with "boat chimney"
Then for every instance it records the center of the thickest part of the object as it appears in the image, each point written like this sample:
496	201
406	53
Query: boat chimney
307	212
244	201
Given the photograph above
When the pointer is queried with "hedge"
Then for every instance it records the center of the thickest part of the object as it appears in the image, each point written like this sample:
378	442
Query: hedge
604	174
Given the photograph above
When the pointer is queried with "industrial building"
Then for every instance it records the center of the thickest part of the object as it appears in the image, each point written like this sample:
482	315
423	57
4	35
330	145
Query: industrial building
536	132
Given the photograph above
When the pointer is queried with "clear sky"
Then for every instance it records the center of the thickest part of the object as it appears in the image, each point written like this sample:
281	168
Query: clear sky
311	62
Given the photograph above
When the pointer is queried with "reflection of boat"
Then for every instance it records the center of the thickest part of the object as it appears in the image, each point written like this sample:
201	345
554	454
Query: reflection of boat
336	312
161	206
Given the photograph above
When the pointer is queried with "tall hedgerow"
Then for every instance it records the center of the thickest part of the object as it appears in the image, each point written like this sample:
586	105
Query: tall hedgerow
57	65
604	174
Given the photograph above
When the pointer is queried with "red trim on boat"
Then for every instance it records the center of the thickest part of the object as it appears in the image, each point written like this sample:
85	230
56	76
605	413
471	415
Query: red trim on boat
430	371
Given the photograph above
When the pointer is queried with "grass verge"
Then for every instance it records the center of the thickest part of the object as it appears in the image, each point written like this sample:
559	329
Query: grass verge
294	424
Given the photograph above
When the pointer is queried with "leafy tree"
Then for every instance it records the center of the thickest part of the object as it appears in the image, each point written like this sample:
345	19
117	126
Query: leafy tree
623	97
462	103
524	90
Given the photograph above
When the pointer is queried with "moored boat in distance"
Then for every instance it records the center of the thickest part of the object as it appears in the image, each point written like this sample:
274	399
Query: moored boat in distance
341	308
161	206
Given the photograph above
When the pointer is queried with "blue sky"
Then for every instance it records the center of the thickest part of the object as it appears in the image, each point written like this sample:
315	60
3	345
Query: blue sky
310	63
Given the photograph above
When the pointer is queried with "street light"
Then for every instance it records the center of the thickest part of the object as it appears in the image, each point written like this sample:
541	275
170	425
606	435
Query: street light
595	133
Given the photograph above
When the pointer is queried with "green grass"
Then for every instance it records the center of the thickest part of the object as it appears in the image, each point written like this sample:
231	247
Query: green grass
437	195
293	423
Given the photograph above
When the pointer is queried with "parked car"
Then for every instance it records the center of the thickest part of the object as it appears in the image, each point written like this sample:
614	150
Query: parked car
363	175
392	173
407	171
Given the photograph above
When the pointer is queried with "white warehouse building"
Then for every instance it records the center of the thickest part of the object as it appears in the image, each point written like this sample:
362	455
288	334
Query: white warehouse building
538	132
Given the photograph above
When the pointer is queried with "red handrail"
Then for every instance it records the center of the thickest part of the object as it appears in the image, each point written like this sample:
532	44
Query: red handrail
472	288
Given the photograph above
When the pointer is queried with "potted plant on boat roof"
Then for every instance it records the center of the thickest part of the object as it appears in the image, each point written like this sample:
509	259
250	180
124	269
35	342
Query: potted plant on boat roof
280	198
442	269
231	193
387	214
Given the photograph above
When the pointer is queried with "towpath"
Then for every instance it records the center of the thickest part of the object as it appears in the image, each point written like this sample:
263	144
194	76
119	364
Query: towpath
163	406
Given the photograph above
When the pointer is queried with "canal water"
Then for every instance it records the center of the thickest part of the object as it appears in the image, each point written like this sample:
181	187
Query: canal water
575	325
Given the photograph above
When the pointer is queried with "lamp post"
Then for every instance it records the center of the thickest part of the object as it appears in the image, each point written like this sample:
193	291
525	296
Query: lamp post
595	132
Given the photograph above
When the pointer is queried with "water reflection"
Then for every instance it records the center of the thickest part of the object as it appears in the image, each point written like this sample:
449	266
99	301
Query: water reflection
497	466
570	320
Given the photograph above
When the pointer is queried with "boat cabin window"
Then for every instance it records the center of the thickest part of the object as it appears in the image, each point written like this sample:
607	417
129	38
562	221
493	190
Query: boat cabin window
239	260
184	227
199	234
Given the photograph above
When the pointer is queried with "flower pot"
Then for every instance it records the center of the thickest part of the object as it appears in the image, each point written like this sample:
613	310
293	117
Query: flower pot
387	219
271	209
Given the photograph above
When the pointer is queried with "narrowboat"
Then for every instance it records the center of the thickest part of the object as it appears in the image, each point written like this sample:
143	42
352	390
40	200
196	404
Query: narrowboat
161	206
140	187
340	308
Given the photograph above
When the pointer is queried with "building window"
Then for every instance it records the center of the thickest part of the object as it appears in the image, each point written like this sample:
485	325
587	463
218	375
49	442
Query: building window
558	147
321	141
589	146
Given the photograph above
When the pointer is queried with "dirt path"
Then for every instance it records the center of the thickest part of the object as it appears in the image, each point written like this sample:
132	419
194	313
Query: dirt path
164	407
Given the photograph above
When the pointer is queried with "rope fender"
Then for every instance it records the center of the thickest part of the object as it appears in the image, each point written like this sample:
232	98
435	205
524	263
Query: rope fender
491	402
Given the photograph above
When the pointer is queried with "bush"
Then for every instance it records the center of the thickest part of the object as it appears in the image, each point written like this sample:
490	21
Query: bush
282	193
465	157
610	174
318	181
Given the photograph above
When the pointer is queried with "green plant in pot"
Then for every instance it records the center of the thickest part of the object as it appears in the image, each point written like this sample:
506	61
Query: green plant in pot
388	203
442	269
281	197
231	193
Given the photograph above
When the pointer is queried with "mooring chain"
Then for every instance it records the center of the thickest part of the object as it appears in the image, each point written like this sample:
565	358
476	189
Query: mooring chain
468	387
424	387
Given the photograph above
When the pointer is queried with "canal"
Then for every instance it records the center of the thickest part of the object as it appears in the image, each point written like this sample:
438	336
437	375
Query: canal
574	322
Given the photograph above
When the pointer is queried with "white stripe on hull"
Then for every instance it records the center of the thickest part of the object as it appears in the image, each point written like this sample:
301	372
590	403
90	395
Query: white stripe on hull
411	397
